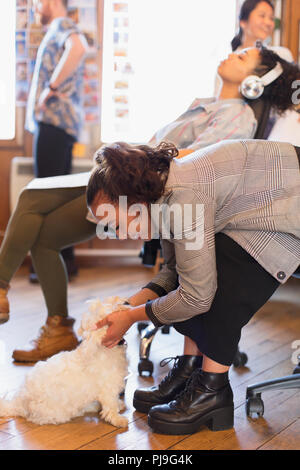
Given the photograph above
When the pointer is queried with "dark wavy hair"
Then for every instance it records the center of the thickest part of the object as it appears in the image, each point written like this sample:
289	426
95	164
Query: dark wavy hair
278	93
246	9
136	171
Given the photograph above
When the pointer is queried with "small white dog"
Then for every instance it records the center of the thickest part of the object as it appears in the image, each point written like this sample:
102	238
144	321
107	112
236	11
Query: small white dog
72	383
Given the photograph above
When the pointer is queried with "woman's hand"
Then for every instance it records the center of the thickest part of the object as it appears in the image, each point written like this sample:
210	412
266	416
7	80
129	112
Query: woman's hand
118	323
46	94
183	152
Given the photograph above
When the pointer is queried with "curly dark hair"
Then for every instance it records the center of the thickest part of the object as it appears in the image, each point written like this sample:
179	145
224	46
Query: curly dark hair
136	171
278	93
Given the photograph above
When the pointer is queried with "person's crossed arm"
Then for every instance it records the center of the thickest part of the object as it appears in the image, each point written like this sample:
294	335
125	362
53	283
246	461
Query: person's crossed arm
75	49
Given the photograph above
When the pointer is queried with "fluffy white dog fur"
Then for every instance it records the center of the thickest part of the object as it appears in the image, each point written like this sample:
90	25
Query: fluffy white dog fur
72	383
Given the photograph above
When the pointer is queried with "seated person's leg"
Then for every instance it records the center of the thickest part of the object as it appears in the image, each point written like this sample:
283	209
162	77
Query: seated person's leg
25	224
23	229
65	226
62	227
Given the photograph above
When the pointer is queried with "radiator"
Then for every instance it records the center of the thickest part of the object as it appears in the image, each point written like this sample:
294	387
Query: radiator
22	172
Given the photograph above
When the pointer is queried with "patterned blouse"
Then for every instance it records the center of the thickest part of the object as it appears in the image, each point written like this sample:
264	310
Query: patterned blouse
66	112
208	121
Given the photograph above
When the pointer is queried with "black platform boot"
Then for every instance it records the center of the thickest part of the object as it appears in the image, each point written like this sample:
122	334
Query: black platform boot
207	399
170	386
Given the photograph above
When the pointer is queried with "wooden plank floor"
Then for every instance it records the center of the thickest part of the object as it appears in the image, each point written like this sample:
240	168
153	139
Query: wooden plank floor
267	340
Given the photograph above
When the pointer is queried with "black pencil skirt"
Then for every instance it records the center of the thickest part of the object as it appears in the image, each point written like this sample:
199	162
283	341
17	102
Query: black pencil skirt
244	286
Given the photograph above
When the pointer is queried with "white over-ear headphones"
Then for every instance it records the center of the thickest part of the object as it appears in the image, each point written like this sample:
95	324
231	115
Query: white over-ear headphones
252	87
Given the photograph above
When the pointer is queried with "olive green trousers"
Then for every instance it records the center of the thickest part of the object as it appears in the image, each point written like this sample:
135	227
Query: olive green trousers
44	222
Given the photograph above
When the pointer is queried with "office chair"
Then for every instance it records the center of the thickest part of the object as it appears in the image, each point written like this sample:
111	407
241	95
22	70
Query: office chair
254	402
151	256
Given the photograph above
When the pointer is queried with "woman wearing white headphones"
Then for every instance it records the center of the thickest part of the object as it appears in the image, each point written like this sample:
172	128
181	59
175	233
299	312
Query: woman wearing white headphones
229	116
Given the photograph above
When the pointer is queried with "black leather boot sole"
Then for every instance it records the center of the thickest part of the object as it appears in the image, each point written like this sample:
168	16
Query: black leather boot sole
215	420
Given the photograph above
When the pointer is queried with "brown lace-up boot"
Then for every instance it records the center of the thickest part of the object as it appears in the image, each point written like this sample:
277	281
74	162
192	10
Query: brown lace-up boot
57	335
4	305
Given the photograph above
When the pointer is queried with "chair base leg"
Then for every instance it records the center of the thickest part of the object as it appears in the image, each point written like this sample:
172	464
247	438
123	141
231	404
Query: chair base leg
254	402
147	336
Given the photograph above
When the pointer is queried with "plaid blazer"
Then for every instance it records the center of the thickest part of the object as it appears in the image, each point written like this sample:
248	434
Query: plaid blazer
250	190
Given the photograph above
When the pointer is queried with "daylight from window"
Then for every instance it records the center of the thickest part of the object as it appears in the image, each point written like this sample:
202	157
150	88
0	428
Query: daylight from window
158	55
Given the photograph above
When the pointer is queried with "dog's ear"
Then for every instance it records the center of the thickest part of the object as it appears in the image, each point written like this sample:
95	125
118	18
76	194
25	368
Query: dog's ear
80	331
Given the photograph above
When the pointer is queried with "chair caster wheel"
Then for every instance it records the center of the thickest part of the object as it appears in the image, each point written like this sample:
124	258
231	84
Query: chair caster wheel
145	366
255	405
240	359
165	330
141	326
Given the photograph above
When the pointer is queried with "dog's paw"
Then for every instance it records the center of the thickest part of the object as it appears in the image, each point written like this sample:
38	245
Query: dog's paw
119	421
115	419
